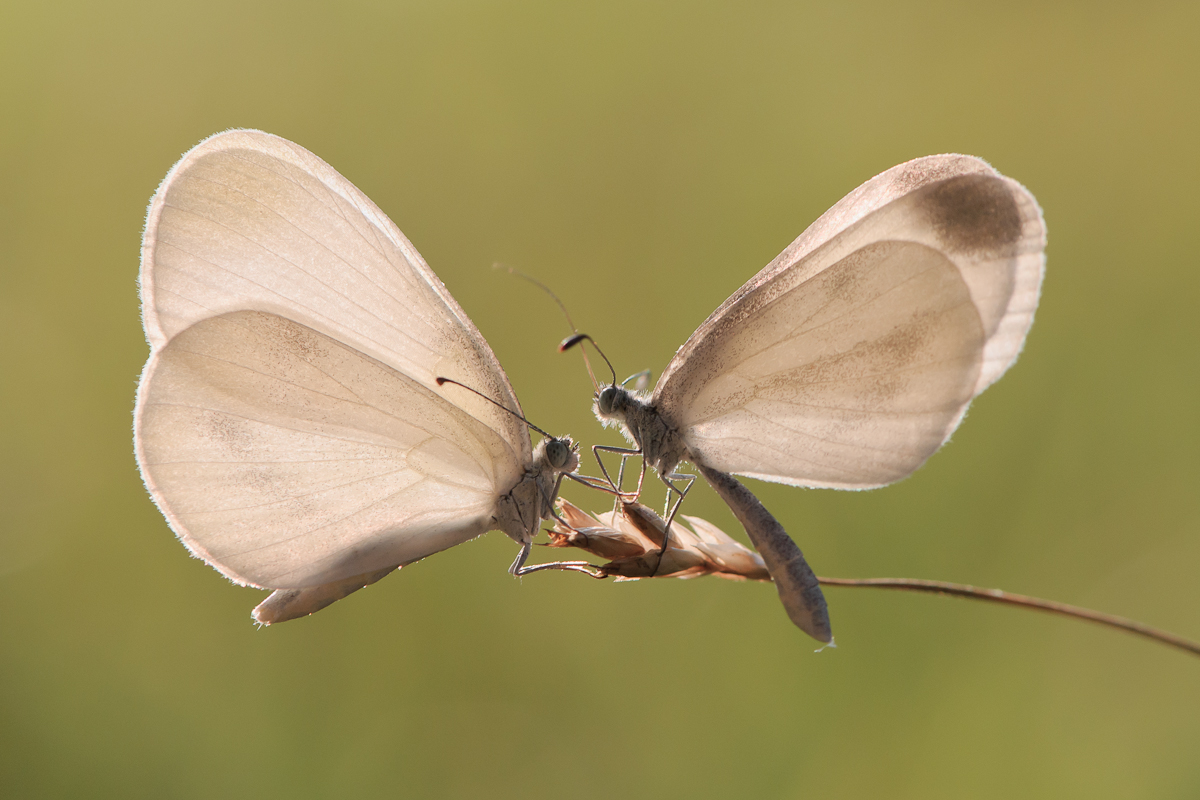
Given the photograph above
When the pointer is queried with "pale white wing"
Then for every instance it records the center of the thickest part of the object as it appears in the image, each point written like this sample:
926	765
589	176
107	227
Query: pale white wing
851	358
287	459
885	187
250	221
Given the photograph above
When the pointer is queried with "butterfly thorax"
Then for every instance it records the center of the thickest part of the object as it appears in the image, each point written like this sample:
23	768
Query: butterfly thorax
519	512
661	446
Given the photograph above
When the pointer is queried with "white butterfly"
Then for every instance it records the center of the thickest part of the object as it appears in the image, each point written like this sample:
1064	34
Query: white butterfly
851	358
290	422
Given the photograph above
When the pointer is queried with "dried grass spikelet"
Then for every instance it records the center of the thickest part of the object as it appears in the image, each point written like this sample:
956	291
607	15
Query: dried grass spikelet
631	540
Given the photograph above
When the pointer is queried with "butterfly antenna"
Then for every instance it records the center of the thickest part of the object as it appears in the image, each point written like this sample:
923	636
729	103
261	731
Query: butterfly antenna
643	379
540	285
514	271
571	341
501	406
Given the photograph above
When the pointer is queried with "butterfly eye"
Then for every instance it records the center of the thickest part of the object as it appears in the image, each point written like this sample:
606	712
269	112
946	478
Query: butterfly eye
610	400
557	453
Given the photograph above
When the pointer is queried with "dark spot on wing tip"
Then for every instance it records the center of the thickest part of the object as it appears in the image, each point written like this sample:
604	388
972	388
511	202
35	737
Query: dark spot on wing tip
975	213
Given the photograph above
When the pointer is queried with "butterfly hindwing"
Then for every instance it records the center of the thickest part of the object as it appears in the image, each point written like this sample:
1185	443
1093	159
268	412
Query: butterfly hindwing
287	459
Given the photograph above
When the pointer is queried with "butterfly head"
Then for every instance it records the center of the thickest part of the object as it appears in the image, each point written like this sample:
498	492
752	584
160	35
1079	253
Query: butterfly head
560	454
617	407
611	401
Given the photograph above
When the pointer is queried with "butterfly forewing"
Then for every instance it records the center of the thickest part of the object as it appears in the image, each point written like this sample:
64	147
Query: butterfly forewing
801	386
852	357
287	459
247	220
890	185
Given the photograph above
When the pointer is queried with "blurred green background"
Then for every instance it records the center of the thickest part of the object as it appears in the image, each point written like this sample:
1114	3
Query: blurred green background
644	159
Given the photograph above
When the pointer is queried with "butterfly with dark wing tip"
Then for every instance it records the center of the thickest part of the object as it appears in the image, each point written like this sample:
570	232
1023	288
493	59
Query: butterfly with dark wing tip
850	358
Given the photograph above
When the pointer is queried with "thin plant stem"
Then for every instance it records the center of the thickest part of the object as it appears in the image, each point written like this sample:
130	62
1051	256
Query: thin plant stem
1023	601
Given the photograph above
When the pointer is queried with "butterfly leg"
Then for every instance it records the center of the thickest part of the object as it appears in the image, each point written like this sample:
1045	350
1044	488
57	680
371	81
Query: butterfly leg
621	482
621	474
625	453
592	483
548	502
641	476
567	566
670	511
518	567
526	546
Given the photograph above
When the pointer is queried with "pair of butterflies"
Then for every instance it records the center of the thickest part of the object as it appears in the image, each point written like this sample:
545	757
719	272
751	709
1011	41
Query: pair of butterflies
292	427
